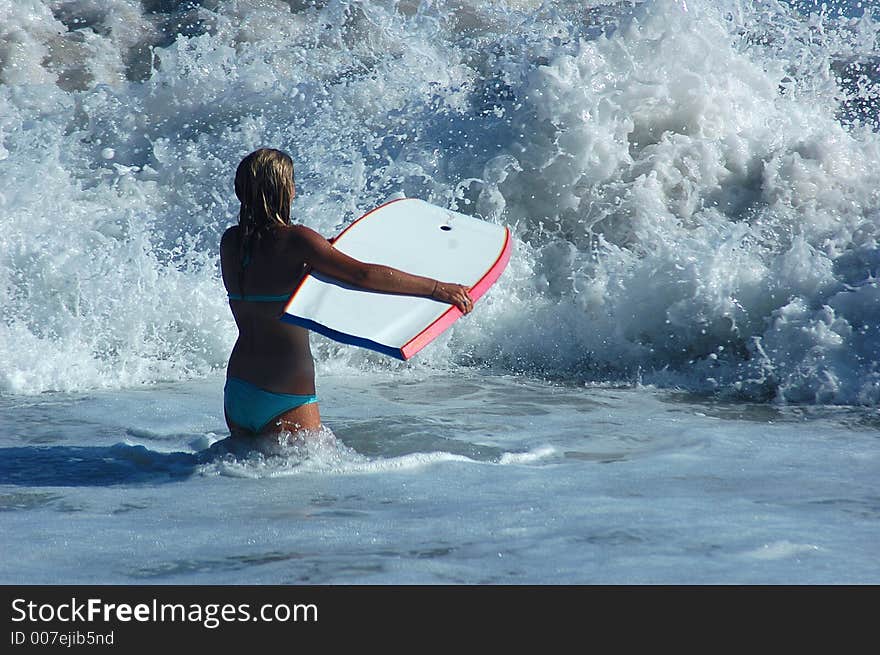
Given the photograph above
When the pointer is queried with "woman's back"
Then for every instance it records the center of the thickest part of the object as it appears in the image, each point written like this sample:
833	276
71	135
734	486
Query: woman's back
268	353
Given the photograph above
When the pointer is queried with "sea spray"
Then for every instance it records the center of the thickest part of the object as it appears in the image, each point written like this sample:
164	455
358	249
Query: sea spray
692	187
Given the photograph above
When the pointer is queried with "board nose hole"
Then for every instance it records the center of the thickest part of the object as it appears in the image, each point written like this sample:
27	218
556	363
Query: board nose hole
446	228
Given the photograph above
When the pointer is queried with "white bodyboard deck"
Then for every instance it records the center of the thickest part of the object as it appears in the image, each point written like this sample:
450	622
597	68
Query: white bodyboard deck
416	237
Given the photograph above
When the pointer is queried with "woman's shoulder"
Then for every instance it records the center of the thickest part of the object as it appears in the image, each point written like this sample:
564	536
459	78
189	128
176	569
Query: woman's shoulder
300	235
289	236
300	231
230	237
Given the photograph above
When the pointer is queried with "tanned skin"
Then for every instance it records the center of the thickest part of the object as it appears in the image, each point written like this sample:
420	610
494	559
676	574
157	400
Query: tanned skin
275	355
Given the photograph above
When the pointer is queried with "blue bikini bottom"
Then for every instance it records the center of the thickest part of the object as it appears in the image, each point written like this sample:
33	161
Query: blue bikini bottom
253	408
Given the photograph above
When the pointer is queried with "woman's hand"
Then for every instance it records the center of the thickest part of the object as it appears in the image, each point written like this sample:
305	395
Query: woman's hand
454	294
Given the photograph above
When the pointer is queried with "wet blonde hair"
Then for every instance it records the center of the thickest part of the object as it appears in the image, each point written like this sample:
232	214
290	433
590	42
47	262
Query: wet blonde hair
264	186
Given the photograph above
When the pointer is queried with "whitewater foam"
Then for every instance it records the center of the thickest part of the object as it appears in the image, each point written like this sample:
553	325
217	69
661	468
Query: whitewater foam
693	187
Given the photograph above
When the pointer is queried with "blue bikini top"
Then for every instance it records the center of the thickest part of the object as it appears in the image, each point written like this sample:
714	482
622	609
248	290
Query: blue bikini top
258	298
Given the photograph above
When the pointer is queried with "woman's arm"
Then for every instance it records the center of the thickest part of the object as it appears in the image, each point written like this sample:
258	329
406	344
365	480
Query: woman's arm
324	258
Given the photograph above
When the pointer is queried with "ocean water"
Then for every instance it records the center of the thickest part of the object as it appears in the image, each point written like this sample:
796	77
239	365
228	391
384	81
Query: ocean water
676	380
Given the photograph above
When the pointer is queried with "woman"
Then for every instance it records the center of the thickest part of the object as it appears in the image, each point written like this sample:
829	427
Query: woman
270	383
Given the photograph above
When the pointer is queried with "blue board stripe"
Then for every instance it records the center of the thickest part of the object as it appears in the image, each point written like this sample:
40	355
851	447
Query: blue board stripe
342	336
